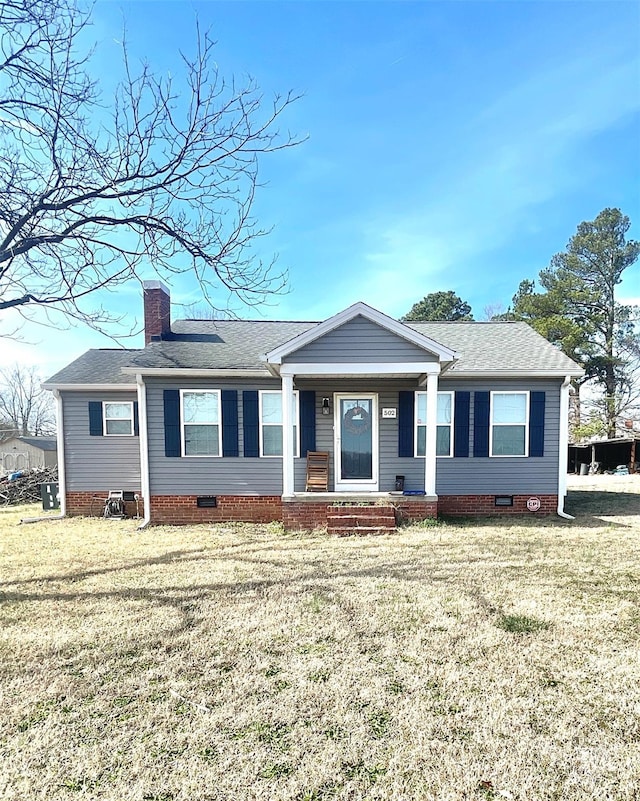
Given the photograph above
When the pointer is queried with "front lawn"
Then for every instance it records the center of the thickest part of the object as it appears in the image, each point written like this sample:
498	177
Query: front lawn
482	660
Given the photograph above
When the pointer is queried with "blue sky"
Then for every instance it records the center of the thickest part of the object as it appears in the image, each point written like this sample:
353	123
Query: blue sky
451	145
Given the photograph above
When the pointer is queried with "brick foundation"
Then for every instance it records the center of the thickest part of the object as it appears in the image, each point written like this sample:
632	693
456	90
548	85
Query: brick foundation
91	504
470	505
300	514
411	510
303	515
183	509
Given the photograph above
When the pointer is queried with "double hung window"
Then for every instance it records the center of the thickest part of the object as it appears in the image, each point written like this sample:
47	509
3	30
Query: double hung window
509	434
117	418
271	423
444	430
201	424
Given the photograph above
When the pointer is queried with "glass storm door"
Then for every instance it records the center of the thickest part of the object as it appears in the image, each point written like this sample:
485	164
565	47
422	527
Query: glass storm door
356	443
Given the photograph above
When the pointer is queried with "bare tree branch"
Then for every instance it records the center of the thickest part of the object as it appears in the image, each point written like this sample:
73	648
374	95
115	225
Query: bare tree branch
25	408
92	193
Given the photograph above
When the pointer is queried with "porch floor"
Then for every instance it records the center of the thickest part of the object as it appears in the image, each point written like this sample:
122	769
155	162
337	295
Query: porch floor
356	497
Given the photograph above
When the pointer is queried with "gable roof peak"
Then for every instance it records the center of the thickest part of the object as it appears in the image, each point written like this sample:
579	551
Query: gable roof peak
362	309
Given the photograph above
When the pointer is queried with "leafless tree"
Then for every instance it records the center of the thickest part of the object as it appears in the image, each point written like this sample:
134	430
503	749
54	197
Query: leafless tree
92	191
492	311
25	408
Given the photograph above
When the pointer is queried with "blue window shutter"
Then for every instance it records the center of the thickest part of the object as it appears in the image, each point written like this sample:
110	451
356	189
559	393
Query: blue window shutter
480	423
230	422
307	422
461	424
95	418
250	425
171	422
136	420
536	424
406	417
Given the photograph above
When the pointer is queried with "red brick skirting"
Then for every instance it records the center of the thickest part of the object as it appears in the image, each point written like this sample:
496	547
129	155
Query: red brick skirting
184	509
410	510
299	514
92	504
304	515
485	505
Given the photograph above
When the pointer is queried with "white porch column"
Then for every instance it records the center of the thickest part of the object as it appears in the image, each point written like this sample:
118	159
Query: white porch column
287	434
432	429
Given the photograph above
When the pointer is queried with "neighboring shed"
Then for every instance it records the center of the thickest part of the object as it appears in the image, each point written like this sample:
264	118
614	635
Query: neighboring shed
607	454
23	453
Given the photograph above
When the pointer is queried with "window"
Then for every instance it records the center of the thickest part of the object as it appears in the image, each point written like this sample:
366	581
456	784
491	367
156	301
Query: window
509	424
444	436
117	419
271	423
200	414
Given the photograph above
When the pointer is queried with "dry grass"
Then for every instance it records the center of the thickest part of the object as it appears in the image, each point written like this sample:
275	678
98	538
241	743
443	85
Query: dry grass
482	660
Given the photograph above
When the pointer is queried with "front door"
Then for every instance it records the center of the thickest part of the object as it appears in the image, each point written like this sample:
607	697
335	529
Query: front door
356	442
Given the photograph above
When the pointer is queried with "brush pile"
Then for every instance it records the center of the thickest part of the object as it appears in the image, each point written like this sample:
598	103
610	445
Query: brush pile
23	486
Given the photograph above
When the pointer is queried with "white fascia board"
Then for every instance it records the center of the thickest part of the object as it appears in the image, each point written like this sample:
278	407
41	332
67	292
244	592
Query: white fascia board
276	355
194	372
90	387
347	369
514	373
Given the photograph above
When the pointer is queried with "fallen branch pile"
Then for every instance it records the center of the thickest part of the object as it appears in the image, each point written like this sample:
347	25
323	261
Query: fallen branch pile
25	488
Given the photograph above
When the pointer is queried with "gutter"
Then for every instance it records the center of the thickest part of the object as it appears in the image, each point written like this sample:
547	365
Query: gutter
144	450
452	372
563	446
97	387
62	489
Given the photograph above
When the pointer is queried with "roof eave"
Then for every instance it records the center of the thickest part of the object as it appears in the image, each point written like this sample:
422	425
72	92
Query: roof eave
517	373
193	372
65	387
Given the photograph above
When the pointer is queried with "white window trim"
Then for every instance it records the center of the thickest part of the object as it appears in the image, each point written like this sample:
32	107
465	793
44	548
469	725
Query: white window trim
183	424
296	443
105	433
524	455
416	426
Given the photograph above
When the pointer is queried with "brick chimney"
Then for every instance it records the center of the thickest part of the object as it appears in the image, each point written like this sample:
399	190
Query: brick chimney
157	311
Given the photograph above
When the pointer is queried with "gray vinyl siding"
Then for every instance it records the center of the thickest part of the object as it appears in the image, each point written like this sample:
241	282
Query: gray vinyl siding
97	463
455	476
360	340
205	475
263	476
505	475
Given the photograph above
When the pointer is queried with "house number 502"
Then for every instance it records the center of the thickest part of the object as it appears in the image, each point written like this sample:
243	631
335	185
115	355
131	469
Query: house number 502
388	413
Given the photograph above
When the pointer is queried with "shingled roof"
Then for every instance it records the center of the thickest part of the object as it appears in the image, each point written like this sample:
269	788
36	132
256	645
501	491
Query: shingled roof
95	367
490	346
483	347
43	443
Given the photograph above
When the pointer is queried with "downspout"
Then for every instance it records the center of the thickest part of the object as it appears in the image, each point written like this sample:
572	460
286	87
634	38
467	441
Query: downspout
563	447
144	450
62	489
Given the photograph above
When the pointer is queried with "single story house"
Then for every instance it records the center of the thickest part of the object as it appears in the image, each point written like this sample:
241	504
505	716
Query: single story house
25	453
213	419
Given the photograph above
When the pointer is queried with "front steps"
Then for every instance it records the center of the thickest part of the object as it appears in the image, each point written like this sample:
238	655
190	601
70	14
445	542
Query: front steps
361	520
